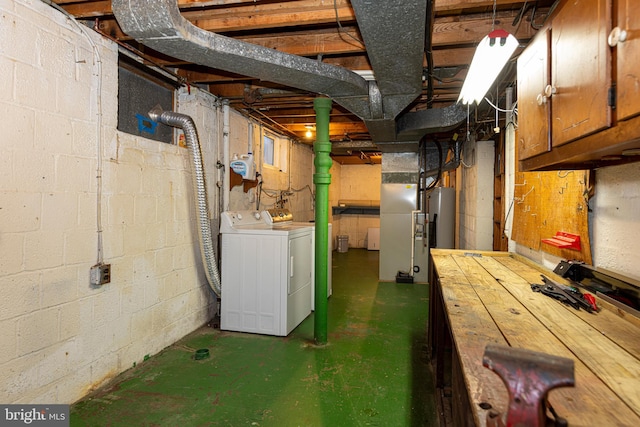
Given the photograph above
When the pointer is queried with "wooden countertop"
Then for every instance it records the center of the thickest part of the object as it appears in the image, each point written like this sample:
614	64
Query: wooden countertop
487	298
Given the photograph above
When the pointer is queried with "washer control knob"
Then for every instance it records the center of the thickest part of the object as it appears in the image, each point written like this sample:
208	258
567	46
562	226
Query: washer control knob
239	216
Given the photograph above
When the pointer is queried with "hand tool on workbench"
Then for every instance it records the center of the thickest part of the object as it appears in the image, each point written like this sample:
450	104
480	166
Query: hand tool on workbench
529	376
567	294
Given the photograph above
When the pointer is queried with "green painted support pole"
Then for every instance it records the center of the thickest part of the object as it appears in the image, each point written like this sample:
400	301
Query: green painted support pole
321	179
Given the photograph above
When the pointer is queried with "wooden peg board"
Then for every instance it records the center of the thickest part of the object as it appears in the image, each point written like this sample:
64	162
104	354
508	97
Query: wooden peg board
548	202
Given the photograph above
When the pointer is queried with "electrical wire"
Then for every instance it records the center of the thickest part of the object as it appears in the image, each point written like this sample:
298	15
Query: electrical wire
493	20
99	142
498	108
549	12
450	80
342	31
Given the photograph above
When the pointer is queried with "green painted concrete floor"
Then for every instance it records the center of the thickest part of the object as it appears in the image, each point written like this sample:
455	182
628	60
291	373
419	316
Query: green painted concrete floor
372	372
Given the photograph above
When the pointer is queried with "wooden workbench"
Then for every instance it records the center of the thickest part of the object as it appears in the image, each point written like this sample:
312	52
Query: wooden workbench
479	298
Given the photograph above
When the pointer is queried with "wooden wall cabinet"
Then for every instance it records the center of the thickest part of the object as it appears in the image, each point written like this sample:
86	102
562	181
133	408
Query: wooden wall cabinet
533	105
625	38
580	70
568	114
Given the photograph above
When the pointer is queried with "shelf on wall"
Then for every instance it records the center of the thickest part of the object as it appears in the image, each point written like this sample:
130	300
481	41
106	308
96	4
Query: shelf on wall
355	210
236	179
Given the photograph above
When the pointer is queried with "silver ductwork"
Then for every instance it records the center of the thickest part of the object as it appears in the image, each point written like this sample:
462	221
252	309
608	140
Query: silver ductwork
160	26
393	33
207	252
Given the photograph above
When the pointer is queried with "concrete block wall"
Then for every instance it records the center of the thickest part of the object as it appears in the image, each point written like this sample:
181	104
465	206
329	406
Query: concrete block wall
295	171
358	182
301	170
240	143
615	220
60	337
334	196
476	196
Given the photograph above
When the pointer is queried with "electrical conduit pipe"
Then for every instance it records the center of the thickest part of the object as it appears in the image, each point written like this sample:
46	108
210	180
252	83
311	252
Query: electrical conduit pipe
207	252
321	179
225	147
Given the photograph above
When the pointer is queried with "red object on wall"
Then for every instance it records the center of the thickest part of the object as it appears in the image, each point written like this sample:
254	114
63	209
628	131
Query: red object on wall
564	240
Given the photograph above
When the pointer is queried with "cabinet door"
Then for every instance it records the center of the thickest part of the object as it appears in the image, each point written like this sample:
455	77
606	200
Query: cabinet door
628	51
533	105
580	69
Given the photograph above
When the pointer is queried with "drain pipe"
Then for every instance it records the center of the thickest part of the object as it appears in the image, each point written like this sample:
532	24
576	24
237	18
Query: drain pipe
185	123
321	179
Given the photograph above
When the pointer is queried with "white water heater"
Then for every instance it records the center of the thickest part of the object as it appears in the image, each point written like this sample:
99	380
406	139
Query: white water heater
442	217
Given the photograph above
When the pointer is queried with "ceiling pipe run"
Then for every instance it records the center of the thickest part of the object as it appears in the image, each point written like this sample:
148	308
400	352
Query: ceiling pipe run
393	33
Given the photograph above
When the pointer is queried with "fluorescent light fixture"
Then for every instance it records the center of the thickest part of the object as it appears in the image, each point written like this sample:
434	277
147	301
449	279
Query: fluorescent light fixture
492	54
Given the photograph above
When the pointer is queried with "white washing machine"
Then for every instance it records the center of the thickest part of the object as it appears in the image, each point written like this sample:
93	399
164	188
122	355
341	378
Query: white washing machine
275	216
266	274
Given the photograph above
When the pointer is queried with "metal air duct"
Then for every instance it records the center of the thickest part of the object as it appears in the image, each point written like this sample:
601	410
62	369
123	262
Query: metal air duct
207	251
393	33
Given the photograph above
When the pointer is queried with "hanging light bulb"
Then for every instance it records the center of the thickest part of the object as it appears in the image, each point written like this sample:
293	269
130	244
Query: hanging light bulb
490	57
308	133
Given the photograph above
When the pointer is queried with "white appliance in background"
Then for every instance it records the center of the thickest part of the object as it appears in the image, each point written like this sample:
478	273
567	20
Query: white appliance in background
420	259
266	274
283	216
442	217
373	239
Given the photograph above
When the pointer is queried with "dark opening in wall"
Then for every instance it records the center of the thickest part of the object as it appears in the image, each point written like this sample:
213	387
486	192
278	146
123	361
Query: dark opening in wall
139	90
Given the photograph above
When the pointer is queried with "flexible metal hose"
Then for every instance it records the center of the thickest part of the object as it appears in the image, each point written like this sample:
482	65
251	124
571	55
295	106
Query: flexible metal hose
207	252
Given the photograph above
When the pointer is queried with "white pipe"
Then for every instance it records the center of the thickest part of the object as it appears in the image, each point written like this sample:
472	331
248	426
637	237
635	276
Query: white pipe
225	144
509	172
414	215
250	139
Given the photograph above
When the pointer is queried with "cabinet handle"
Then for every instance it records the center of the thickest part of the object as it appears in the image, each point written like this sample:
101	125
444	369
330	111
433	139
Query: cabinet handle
541	99
617	35
550	91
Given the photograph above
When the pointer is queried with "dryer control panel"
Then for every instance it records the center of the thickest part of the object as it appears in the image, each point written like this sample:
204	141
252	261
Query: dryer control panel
231	220
277	216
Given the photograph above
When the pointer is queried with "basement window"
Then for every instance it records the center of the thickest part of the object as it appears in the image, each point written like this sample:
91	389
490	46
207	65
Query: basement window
268	148
275	152
139	90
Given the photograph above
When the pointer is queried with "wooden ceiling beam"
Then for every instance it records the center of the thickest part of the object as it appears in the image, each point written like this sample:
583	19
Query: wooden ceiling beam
443	6
331	41
98	8
448	31
260	16
254	16
469	30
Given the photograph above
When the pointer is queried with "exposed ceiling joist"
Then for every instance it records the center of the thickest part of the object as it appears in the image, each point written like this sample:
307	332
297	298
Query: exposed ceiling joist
325	31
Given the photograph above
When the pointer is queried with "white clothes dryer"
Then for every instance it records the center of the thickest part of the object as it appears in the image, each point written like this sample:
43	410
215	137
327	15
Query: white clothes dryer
266	274
277	216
